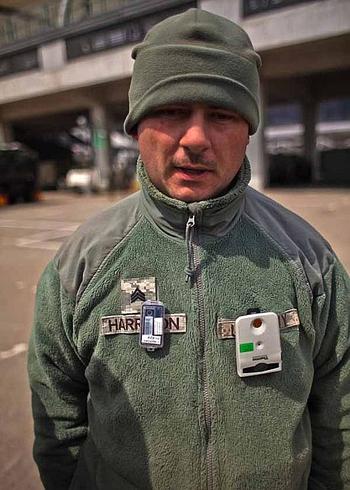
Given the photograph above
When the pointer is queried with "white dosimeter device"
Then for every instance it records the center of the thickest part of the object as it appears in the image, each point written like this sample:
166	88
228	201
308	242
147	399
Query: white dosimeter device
258	344
152	325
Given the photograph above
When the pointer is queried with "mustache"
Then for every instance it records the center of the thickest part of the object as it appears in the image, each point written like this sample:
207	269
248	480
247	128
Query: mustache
194	158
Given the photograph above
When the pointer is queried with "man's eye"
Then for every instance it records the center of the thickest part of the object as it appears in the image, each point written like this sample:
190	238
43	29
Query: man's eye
220	116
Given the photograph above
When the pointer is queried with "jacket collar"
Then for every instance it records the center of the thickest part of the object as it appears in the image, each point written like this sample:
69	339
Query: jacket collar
214	217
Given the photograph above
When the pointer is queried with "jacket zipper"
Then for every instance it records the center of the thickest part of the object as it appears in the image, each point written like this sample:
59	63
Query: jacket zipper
193	249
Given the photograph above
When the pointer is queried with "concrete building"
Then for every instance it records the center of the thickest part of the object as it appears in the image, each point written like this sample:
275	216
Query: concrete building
62	59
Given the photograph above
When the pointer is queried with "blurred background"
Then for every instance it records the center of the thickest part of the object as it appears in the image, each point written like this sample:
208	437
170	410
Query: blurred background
65	69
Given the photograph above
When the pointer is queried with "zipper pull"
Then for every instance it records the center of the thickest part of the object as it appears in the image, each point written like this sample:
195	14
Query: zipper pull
190	223
189	243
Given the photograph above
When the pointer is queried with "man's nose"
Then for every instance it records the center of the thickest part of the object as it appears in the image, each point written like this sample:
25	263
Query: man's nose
195	135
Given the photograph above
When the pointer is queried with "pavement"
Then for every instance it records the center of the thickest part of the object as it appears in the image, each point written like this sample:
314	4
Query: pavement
30	234
328	210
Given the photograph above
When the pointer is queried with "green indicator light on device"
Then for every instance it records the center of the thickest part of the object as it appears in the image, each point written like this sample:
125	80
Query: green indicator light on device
248	347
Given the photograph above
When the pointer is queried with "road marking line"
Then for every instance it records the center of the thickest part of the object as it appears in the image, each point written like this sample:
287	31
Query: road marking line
44	240
39	225
11	464
15	351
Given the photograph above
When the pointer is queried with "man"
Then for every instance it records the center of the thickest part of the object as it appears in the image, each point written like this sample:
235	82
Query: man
187	408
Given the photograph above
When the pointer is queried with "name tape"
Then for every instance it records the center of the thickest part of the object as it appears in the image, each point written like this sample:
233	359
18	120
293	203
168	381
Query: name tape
130	324
226	328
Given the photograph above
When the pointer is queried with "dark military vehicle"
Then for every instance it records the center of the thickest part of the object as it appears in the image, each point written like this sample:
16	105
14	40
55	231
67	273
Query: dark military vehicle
18	174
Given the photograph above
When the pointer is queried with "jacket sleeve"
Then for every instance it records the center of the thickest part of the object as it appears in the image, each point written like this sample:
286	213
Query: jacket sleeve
59	388
330	397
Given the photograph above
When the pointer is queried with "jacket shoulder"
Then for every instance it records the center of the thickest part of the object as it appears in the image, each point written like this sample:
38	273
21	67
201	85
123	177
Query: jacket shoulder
304	245
80	256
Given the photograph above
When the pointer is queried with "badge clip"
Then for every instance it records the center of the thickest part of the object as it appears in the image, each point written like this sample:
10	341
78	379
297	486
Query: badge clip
152	325
258	344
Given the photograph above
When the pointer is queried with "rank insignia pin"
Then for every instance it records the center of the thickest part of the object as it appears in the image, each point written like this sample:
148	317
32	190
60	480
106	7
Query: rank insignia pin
135	292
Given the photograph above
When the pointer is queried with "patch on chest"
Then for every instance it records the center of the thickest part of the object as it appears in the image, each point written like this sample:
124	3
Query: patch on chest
225	328
135	291
129	324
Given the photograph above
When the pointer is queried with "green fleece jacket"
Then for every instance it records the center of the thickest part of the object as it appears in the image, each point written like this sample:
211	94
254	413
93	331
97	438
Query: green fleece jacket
110	415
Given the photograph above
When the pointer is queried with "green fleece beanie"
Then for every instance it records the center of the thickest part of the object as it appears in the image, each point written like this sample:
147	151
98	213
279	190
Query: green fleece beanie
195	57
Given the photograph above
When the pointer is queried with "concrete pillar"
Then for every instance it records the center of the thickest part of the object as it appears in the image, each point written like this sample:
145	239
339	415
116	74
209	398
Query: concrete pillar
257	158
256	152
101	143
53	55
226	8
310	152
6	133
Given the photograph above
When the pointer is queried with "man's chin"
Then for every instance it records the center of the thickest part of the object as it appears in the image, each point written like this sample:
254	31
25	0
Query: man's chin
190	195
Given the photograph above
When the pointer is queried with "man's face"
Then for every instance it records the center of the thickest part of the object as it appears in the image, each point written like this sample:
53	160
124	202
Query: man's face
192	152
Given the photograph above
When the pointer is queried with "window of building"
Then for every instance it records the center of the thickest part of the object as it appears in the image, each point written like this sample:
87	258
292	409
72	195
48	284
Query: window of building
334	110
283	114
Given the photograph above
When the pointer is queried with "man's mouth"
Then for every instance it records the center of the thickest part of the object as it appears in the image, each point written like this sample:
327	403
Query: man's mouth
192	171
